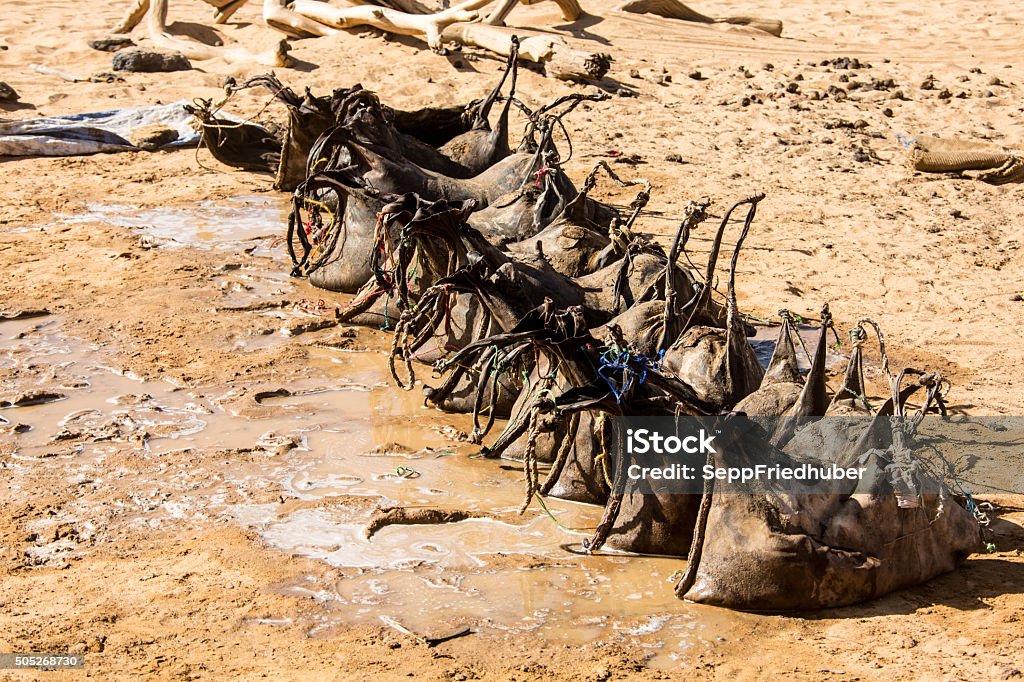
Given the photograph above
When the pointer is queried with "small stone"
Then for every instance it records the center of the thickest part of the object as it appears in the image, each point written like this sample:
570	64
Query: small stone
105	77
153	137
7	93
96	644
111	44
928	83
137	59
847	63
887	112
675	158
634	73
696	75
945	94
994	81
793	88
958	214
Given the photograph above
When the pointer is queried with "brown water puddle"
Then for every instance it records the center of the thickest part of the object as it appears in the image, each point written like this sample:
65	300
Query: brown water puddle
321	446
221	224
306	467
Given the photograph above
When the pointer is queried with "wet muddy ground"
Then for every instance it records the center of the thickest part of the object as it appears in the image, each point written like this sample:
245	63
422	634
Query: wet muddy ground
298	444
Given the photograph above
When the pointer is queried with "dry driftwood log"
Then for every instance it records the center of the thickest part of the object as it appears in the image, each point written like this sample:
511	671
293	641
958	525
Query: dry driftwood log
156	27
571	10
390	20
303	18
558	58
673	9
979	160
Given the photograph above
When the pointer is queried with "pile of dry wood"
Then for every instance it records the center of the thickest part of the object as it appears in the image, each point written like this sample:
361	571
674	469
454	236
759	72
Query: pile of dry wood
462	24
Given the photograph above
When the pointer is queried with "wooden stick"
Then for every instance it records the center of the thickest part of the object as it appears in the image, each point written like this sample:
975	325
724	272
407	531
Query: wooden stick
559	59
571	10
673	9
63	75
390	20
157	25
133	17
225	11
279	15
500	13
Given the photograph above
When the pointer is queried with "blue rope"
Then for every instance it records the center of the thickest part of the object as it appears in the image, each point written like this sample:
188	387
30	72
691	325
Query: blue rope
904	140
632	366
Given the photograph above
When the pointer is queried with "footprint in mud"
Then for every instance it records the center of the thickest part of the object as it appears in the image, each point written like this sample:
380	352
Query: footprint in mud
278	444
303	483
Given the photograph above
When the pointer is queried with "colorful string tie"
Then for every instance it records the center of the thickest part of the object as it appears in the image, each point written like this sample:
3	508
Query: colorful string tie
615	362
542	173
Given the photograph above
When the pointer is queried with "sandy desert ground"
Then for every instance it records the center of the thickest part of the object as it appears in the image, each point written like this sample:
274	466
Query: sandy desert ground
173	521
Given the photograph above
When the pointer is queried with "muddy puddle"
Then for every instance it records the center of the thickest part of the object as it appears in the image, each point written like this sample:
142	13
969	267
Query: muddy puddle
306	465
220	224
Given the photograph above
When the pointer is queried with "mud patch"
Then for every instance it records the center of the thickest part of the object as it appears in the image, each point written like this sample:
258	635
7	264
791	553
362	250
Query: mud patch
220	224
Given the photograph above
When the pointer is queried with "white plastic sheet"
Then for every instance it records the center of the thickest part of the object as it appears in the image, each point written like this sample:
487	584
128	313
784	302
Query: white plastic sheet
102	131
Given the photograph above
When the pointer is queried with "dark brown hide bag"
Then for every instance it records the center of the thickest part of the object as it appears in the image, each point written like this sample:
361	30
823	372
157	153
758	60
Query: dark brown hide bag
760	546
